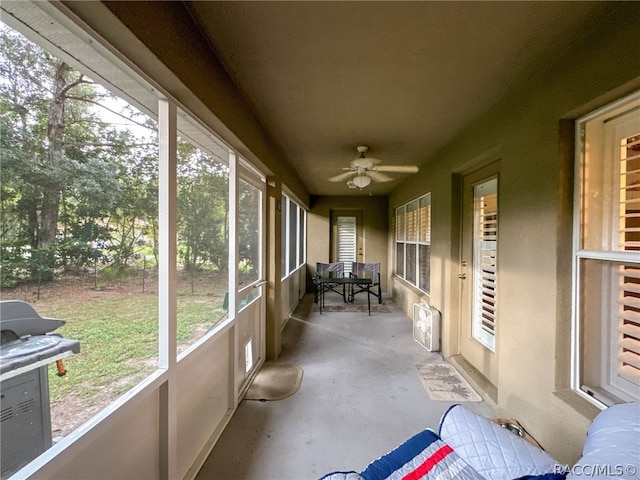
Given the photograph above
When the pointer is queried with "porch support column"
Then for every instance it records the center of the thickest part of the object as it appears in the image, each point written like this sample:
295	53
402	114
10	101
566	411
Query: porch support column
167	279
274	274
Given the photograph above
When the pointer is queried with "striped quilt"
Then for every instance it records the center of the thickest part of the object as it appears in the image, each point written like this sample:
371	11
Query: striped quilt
423	457
469	447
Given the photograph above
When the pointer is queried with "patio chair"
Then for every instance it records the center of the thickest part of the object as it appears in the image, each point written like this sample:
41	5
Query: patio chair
366	270
329	270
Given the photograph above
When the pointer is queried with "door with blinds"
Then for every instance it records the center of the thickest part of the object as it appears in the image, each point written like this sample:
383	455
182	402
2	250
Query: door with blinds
346	241
479	272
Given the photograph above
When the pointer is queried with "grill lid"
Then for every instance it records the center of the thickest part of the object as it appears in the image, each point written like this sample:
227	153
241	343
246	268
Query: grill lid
25	343
20	318
28	346
35	351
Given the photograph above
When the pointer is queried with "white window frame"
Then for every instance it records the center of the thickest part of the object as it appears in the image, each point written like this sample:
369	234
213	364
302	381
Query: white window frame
607	393
402	239
300	236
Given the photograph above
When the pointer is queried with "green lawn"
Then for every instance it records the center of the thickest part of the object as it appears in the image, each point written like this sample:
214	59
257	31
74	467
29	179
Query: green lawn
119	341
117	327
116	337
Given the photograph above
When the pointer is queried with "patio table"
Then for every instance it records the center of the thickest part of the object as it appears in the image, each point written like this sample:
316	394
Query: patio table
364	283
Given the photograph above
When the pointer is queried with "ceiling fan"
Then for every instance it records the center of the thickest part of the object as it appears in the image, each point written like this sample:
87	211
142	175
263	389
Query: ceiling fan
367	170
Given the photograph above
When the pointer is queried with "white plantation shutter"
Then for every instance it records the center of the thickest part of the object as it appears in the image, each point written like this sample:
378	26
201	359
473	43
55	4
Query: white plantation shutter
628	298
347	242
401	233
411	247
485	262
424	219
629	237
412	221
628	344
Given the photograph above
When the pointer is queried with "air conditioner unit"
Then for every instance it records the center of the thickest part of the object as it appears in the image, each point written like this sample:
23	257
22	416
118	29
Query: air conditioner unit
426	326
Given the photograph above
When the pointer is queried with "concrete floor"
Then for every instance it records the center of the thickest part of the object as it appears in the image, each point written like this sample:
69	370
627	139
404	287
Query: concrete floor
360	397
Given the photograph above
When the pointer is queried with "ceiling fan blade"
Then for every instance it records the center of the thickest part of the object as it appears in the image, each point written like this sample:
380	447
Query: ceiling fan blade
342	177
396	168
379	177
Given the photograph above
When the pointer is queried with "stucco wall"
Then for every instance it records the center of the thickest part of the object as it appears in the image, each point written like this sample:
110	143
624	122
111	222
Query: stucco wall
527	133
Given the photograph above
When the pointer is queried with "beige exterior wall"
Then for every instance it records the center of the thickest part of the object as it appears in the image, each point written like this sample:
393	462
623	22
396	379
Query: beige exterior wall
528	133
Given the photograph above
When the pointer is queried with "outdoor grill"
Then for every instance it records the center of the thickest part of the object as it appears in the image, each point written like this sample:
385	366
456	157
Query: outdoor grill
26	348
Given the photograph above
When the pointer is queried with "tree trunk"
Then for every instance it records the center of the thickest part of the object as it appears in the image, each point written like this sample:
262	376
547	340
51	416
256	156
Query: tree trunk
32	227
55	154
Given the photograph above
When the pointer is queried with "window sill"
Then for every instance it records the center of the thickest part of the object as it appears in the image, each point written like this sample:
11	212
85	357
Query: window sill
581	405
410	286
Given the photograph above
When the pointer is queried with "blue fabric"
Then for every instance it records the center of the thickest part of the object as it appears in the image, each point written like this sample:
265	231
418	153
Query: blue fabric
350	475
548	476
385	466
444	415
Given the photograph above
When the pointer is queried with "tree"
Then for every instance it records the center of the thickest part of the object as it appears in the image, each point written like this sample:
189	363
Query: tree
61	164
24	71
249	230
203	209
76	190
134	218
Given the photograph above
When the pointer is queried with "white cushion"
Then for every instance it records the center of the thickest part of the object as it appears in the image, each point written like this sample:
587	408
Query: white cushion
612	447
493	451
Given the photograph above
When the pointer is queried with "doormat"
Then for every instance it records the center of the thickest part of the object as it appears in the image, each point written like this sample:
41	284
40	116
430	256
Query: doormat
275	381
444	383
350	308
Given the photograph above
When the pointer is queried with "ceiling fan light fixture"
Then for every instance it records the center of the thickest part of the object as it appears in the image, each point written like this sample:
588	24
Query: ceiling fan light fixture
361	181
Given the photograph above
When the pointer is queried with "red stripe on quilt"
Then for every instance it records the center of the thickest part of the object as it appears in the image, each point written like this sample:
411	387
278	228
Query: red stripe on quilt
426	466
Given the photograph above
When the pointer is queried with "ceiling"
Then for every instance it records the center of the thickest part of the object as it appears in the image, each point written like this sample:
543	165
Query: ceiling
403	78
